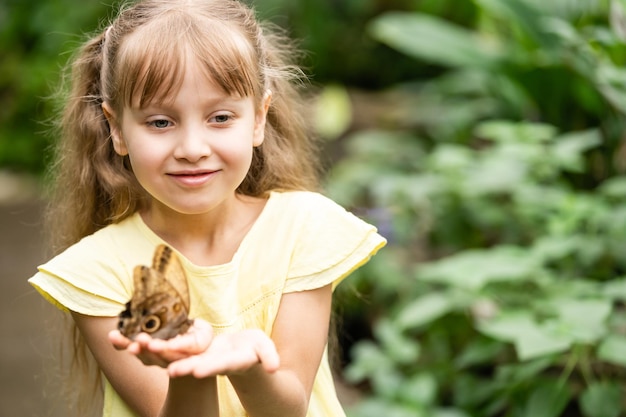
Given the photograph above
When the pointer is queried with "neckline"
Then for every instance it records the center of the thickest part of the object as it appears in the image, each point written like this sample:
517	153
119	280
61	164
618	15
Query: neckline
225	267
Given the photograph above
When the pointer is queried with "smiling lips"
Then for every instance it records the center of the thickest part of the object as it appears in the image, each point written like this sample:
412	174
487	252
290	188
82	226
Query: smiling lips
193	178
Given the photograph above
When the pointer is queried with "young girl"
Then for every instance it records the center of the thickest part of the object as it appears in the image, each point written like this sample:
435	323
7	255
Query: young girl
183	127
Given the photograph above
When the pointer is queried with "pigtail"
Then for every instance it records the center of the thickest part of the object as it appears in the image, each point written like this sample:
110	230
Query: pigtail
92	186
89	189
288	159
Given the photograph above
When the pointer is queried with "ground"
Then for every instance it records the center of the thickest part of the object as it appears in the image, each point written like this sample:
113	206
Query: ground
22	316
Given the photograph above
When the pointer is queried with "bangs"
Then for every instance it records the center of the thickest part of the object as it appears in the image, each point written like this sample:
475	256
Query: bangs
151	61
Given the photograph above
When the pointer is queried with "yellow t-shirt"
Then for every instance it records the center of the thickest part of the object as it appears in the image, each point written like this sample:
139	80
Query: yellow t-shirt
301	241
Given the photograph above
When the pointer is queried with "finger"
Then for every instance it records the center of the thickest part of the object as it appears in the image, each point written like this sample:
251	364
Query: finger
134	348
195	341
158	345
268	355
138	344
214	363
143	339
186	366
119	341
188	344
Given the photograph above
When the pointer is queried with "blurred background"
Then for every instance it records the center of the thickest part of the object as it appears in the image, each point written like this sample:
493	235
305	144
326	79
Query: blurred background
486	140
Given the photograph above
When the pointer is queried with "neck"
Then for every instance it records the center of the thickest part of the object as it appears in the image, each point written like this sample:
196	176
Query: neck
210	238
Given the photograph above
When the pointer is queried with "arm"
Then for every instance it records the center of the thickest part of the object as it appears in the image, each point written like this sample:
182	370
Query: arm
266	388
146	389
300	333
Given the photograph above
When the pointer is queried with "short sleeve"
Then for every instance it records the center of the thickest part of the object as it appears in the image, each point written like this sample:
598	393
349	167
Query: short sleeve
87	279
331	244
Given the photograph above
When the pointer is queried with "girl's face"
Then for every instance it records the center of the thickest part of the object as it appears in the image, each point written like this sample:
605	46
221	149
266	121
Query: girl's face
191	153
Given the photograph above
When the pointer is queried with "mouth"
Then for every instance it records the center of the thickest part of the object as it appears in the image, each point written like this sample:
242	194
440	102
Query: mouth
193	178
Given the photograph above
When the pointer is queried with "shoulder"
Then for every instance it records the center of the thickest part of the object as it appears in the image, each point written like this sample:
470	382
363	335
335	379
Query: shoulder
94	276
299	197
107	244
307	204
329	240
319	213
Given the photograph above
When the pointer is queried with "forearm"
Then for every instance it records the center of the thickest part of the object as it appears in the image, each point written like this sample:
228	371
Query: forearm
276	394
189	396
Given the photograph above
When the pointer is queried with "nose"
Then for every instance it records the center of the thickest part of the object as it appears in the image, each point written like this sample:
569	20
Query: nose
193	143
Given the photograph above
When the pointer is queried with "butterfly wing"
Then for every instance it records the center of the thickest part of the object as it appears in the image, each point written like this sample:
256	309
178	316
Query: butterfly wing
157	306
167	263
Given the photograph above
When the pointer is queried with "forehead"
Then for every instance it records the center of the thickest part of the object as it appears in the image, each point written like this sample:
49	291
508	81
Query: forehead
153	60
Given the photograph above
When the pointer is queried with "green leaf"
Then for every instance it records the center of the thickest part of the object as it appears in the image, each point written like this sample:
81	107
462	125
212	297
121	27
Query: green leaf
548	399
614	187
387	383
469	390
612	349
377	407
514	373
450	158
515	132
479	351
611	81
531	339
615	289
618	18
567	151
420	389
396	345
473	269
425	310
555	247
432	39
585	320
495	173
601	399
522	13
369	360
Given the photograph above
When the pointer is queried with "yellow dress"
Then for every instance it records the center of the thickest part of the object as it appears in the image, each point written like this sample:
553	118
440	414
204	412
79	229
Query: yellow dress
301	241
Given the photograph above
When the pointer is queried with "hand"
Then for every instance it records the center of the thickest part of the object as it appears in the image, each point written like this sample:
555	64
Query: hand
231	353
163	352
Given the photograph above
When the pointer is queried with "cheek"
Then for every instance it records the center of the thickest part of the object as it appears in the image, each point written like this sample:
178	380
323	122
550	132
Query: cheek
144	158
237	154
235	148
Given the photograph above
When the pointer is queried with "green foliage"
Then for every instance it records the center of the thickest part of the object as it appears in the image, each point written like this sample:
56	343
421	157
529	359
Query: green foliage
333	35
502	193
35	39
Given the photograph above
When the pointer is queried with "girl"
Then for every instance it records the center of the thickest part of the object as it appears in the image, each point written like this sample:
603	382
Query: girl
183	127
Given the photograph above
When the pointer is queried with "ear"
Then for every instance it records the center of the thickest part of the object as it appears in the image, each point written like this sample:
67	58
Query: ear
261	119
116	134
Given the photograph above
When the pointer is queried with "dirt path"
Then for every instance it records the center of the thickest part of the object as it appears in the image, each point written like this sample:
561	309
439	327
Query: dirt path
24	346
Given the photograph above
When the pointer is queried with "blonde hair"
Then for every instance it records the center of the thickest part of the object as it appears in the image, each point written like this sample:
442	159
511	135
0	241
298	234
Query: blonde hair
138	59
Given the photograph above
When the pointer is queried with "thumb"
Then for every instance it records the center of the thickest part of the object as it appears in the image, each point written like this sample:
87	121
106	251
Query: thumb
267	354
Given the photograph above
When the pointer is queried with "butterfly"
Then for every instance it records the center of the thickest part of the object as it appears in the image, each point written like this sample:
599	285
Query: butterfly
160	302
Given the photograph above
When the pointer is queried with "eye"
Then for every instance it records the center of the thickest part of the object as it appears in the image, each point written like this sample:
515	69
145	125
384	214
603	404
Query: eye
159	123
221	118
151	324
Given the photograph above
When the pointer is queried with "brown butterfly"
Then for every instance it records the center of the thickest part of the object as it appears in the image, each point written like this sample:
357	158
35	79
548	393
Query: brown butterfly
160	302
